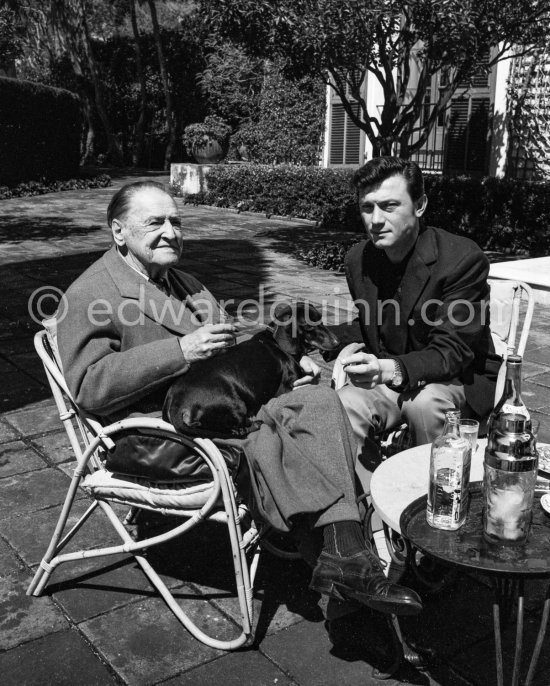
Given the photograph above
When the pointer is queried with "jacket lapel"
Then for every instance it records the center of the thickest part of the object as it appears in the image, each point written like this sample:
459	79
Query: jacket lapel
370	295
416	277
170	312
413	283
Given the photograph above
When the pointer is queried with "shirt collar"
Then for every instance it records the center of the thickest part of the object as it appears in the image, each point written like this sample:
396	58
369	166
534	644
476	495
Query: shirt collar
163	283
123	257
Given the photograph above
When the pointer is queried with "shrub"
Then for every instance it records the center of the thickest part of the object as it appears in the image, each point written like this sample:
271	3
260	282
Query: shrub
40	188
504	215
322	195
39	132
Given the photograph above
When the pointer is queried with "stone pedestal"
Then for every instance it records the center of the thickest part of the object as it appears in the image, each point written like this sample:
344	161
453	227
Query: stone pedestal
189	178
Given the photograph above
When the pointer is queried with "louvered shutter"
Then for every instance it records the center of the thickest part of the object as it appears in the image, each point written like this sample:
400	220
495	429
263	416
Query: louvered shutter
467	149
345	138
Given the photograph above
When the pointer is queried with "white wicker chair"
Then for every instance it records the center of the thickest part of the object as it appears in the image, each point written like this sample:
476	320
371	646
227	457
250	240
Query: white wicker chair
196	503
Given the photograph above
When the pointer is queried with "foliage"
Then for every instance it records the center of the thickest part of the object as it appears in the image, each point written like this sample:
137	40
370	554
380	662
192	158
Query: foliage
231	83
402	44
198	134
328	254
503	215
39	131
11	42
290	121
30	188
323	195
122	91
275	119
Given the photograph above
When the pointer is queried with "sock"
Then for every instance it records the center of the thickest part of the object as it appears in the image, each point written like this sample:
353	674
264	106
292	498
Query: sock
343	538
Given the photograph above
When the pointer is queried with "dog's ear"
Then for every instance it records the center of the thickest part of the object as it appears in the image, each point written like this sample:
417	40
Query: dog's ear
283	312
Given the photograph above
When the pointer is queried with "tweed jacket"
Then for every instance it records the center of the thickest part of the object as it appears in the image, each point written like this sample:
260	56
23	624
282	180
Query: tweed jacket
118	337
118	333
443	328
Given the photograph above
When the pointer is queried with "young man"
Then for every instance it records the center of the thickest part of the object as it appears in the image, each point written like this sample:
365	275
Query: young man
133	323
422	297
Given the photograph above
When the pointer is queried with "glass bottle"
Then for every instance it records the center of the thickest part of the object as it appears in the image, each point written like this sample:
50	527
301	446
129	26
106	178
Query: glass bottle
510	402
450	462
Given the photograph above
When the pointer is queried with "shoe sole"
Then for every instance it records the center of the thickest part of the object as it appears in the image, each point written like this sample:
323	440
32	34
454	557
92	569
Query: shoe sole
343	593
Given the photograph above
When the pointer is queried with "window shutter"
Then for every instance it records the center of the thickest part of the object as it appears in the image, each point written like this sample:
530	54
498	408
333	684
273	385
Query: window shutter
477	157
467	135
345	138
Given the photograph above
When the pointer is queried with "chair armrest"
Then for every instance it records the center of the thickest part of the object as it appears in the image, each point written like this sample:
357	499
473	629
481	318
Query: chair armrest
339	375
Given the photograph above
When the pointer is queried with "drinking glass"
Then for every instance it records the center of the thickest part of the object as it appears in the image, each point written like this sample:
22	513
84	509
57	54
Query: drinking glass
469	429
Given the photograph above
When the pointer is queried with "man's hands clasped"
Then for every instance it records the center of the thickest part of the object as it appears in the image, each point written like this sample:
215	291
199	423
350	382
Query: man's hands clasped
207	341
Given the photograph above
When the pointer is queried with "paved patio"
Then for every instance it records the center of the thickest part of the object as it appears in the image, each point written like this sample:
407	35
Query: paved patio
99	622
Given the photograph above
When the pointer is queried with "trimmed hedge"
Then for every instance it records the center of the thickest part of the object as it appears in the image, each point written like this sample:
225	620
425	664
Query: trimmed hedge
31	188
503	215
39	132
323	195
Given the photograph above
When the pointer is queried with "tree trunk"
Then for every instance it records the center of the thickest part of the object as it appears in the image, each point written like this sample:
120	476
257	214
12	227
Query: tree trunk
381	147
114	151
170	125
139	140
88	156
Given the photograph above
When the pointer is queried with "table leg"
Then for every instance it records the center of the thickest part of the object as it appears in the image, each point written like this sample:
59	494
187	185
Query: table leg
540	639
505	592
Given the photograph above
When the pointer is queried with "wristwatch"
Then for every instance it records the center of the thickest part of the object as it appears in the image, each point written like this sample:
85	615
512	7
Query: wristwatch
398	376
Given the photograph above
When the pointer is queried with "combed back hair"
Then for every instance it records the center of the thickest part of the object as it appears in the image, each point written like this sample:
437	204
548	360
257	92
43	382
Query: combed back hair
377	170
120	201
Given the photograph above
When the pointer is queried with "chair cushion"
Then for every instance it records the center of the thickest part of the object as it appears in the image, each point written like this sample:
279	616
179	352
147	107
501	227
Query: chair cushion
173	495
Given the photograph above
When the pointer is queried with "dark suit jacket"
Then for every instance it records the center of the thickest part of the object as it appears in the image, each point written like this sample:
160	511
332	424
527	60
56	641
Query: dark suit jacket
443	330
118	341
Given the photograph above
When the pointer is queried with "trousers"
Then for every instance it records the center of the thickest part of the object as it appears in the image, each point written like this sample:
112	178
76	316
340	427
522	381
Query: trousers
372	411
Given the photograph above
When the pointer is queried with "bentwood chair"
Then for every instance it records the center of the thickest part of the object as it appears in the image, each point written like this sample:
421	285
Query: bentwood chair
214	500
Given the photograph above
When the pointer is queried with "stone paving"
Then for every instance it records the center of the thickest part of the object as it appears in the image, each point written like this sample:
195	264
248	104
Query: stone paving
99	621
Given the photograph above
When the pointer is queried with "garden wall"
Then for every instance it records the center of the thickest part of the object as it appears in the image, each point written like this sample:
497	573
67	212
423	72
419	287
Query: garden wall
39	132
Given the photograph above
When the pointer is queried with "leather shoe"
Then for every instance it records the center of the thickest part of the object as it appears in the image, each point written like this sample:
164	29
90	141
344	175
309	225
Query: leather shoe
360	577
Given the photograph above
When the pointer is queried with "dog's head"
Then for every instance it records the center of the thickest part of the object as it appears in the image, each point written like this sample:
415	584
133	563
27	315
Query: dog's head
298	329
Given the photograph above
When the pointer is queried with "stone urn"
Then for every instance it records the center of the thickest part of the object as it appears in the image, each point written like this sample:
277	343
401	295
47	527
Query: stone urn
207	141
210	152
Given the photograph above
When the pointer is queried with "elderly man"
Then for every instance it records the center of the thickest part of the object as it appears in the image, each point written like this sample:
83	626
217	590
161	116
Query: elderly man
133	323
422	296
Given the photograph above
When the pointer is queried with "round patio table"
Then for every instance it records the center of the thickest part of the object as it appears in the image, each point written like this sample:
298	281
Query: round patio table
398	490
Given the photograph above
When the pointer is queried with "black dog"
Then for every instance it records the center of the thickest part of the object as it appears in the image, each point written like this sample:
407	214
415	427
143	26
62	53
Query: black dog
218	397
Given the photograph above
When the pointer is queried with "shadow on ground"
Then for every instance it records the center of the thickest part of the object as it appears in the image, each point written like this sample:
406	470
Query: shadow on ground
15	229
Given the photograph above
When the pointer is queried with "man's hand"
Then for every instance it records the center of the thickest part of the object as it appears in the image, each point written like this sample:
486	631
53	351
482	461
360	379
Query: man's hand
312	372
367	370
207	341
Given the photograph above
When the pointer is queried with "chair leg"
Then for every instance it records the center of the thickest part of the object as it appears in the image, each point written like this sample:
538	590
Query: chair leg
56	544
244	599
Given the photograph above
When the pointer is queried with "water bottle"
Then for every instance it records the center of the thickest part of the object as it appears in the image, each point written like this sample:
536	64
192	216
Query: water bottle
450	462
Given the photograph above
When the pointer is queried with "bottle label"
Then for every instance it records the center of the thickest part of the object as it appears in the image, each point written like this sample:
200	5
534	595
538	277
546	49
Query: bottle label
449	480
508	408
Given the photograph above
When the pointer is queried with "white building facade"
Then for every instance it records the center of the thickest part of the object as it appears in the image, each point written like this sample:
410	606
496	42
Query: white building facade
472	137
